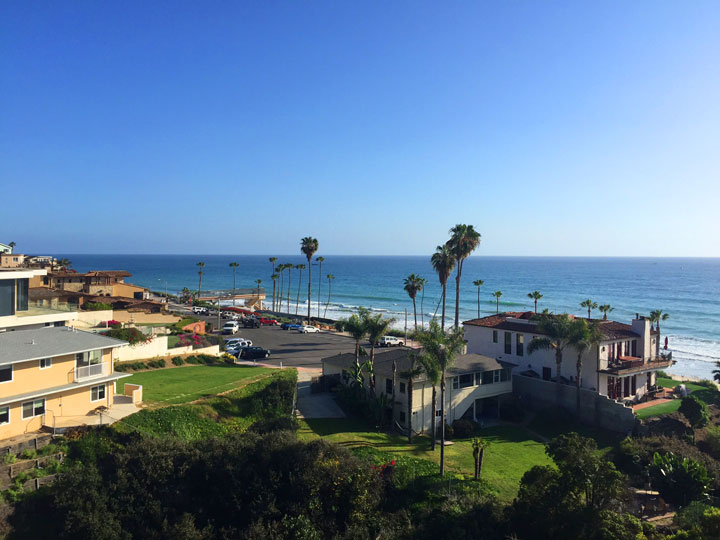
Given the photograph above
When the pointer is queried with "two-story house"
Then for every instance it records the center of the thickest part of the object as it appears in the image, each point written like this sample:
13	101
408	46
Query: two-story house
474	387
49	372
623	365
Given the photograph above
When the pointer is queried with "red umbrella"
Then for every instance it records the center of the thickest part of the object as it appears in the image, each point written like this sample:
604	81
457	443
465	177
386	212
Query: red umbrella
666	342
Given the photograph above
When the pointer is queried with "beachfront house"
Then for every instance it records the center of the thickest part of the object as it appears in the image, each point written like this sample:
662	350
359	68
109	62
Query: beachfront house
51	375
476	386
96	282
622	367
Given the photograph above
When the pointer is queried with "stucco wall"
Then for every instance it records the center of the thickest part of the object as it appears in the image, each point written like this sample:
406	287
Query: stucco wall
91	319
157	348
123	315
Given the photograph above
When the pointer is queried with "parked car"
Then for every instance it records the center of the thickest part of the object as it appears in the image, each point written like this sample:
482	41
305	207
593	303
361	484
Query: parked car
390	341
230	327
249	353
290	326
307	329
251	322
200	310
233	341
238	346
268	322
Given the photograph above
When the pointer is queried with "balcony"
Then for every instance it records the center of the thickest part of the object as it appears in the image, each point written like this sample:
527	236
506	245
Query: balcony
38	308
92	371
627	365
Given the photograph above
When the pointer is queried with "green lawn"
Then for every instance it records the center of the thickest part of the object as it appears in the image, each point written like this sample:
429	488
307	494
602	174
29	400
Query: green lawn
704	394
550	424
513	450
188	383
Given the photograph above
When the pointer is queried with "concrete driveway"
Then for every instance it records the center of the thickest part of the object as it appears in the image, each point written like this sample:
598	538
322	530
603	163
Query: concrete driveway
314	405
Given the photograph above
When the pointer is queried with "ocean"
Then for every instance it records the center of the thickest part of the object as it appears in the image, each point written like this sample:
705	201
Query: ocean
687	289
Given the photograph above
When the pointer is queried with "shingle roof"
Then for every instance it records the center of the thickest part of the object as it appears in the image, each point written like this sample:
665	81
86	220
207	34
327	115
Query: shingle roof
19	345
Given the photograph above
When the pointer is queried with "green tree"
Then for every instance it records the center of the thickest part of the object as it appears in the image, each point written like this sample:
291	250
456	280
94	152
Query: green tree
200	265
355	326
695	411
680	480
412	286
478	283
443	348
585	336
497	295
234	266
443	262
330	279
557	333
415	369
479	445
535	296
590	305
375	328
422	282
464	239
289	267
431	368
300	267
273	260
656	316
309	246
716	372
319	260
605	309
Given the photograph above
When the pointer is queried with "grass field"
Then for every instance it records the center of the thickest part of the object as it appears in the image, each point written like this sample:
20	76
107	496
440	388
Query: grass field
188	383
704	394
513	450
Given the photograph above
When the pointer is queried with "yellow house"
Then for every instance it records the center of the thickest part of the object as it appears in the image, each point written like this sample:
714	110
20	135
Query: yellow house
50	374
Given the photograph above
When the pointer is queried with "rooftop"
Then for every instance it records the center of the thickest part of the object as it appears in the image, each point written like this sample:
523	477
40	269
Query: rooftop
49	341
93	273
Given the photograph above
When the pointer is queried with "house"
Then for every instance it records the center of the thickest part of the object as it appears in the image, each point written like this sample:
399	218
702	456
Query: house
97	283
475	386
4	248
623	366
11	260
50	373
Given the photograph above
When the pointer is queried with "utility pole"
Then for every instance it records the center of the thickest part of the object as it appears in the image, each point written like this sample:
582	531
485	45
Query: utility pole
406	342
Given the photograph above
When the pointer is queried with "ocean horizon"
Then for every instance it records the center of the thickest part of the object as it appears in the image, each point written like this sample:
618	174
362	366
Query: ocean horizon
688	288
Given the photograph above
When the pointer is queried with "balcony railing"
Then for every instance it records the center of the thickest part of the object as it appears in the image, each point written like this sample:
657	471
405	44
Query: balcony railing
90	372
46	307
631	363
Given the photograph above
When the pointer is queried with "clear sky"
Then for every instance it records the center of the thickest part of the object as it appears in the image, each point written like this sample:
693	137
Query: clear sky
556	128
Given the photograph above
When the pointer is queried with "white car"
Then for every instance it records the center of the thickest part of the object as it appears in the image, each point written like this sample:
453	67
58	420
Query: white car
307	329
199	310
390	341
236	347
233	341
230	327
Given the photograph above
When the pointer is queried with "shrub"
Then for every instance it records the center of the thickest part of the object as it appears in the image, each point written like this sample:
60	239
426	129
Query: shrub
178	361
695	411
113	324
132	335
28	454
97	306
192	359
663	374
228	358
689	517
680	480
8	459
339	326
462	429
207	358
712	440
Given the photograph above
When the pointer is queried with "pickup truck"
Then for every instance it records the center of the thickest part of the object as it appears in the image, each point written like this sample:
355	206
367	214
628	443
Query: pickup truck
390	341
251	322
230	327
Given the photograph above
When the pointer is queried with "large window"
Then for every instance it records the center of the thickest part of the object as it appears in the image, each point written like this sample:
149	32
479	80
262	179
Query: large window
388	386
6	374
22	294
33	408
4	415
97	393
487	377
519	344
464	381
508	342
88	358
495	336
7	297
402	387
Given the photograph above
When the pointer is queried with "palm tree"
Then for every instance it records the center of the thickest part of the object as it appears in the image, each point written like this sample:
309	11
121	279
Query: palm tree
589	304
12	245
259	282
309	245
479	445
355	326
422	282
200	265
330	279
300	267
443	348
478	283
375	328
64	263
274	277
497	295
281	268
319	260
432	372
412	287
535	296
584	337
656	316
234	266
605	309
716	372
289	267
557	333
273	260
464	239
415	369
443	262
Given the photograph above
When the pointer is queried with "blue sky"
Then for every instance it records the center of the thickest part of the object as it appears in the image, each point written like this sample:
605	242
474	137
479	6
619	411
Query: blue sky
556	128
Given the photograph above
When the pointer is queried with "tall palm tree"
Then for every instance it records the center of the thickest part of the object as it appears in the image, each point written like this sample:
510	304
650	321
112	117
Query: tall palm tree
273	260
375	328
557	333
443	262
464	239
300	267
259	282
330	279
497	295
589	304
281	268
415	369
432	371
319	260
309	245
422	282
289	267
200	265
656	316
412	287
443	348
535	296
585	335
355	326
605	309
234	266
274	277
478	283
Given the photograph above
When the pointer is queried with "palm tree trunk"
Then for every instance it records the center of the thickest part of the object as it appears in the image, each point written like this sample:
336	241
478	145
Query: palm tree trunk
442	319
319	285
309	286
478	302
199	285
497	304
274	286
558	361
657	341
328	301
297	300
578	366
394	390
289	288
415	313
536	305
442	424
422	308
372	368
457	294
434	418
588	312
409	408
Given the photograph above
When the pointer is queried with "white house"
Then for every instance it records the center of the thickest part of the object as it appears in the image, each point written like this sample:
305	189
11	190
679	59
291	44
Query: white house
475	386
623	366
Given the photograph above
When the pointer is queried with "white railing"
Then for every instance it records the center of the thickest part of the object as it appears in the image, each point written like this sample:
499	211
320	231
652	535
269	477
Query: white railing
88	372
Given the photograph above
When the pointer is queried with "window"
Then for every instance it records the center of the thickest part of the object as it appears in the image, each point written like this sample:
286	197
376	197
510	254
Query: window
508	342
547	374
505	374
7	297
495	337
402	387
487	377
45	363
22	294
519	344
478	378
496	375
89	358
33	408
388	386
6	373
465	381
4	415
97	393
456	383
402	418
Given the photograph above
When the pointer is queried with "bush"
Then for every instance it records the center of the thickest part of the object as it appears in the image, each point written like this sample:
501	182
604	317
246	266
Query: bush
97	306
712	440
695	411
9	459
707	383
680	480
228	358
132	335
192	359
207	358
28	454
178	361
463	429
339	326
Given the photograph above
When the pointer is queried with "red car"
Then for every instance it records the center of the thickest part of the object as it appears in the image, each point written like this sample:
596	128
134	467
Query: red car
268	322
